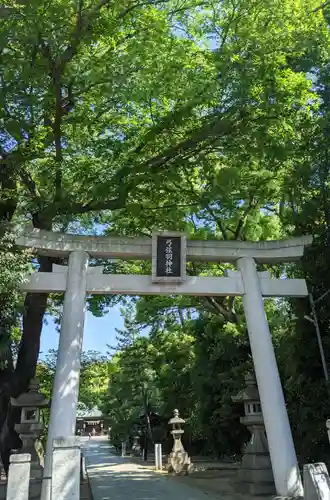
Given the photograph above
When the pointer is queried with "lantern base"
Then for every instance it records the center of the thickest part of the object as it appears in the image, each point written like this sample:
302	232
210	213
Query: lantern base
35	489
179	463
255	489
255	476
256	461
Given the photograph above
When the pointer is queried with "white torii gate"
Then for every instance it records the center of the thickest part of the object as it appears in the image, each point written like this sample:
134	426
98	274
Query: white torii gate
76	280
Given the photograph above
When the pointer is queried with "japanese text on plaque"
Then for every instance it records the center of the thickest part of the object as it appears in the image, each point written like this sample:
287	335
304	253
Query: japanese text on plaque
168	257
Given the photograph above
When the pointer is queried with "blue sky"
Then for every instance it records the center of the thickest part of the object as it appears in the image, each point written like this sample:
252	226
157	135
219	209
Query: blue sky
98	332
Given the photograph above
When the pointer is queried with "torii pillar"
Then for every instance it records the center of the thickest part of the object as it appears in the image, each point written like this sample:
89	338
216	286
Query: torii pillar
281	447
65	393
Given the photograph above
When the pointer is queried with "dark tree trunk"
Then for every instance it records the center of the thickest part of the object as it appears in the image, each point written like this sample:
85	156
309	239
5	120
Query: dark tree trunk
35	307
7	185
145	448
16	381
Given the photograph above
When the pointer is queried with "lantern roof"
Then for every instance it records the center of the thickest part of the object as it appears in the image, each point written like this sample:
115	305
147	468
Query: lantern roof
250	392
176	419
31	398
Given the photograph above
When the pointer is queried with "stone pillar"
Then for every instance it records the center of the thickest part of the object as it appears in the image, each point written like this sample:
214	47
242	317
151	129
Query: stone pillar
158	457
316	481
66	469
19	477
283	457
328	428
123	448
66	384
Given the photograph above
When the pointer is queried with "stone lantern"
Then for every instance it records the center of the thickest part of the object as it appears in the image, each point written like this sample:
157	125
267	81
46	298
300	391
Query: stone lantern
30	427
255	476
136	447
178	461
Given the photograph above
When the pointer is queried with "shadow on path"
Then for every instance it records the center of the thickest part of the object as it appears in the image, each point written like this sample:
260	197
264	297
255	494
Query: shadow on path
115	478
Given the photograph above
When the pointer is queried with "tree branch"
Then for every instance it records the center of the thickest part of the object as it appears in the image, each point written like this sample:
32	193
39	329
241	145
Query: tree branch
271	209
82	22
212	304
219	223
140	4
45	51
222	310
30	184
242	221
322	6
165	207
187	7
94	205
58	139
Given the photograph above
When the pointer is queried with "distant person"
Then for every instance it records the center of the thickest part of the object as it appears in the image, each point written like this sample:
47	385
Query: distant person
93	432
89	435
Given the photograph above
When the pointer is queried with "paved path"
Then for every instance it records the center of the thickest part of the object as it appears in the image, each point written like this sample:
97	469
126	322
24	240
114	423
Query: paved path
114	478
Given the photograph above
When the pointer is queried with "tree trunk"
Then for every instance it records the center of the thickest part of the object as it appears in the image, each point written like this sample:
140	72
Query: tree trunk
17	381
35	307
9	202
150	433
145	449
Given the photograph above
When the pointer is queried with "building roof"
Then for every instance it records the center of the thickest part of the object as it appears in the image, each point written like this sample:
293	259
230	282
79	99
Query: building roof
89	413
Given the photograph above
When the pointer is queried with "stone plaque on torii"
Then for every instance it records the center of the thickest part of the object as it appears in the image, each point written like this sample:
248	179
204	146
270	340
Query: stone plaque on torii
168	250
169	254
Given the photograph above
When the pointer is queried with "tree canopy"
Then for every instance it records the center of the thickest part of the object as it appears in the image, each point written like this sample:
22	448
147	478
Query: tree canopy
209	117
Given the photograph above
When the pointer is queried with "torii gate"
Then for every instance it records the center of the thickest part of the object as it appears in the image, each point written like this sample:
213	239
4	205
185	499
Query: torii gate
76	280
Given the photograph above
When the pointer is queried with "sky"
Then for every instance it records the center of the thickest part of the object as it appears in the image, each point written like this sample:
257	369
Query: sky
98	332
